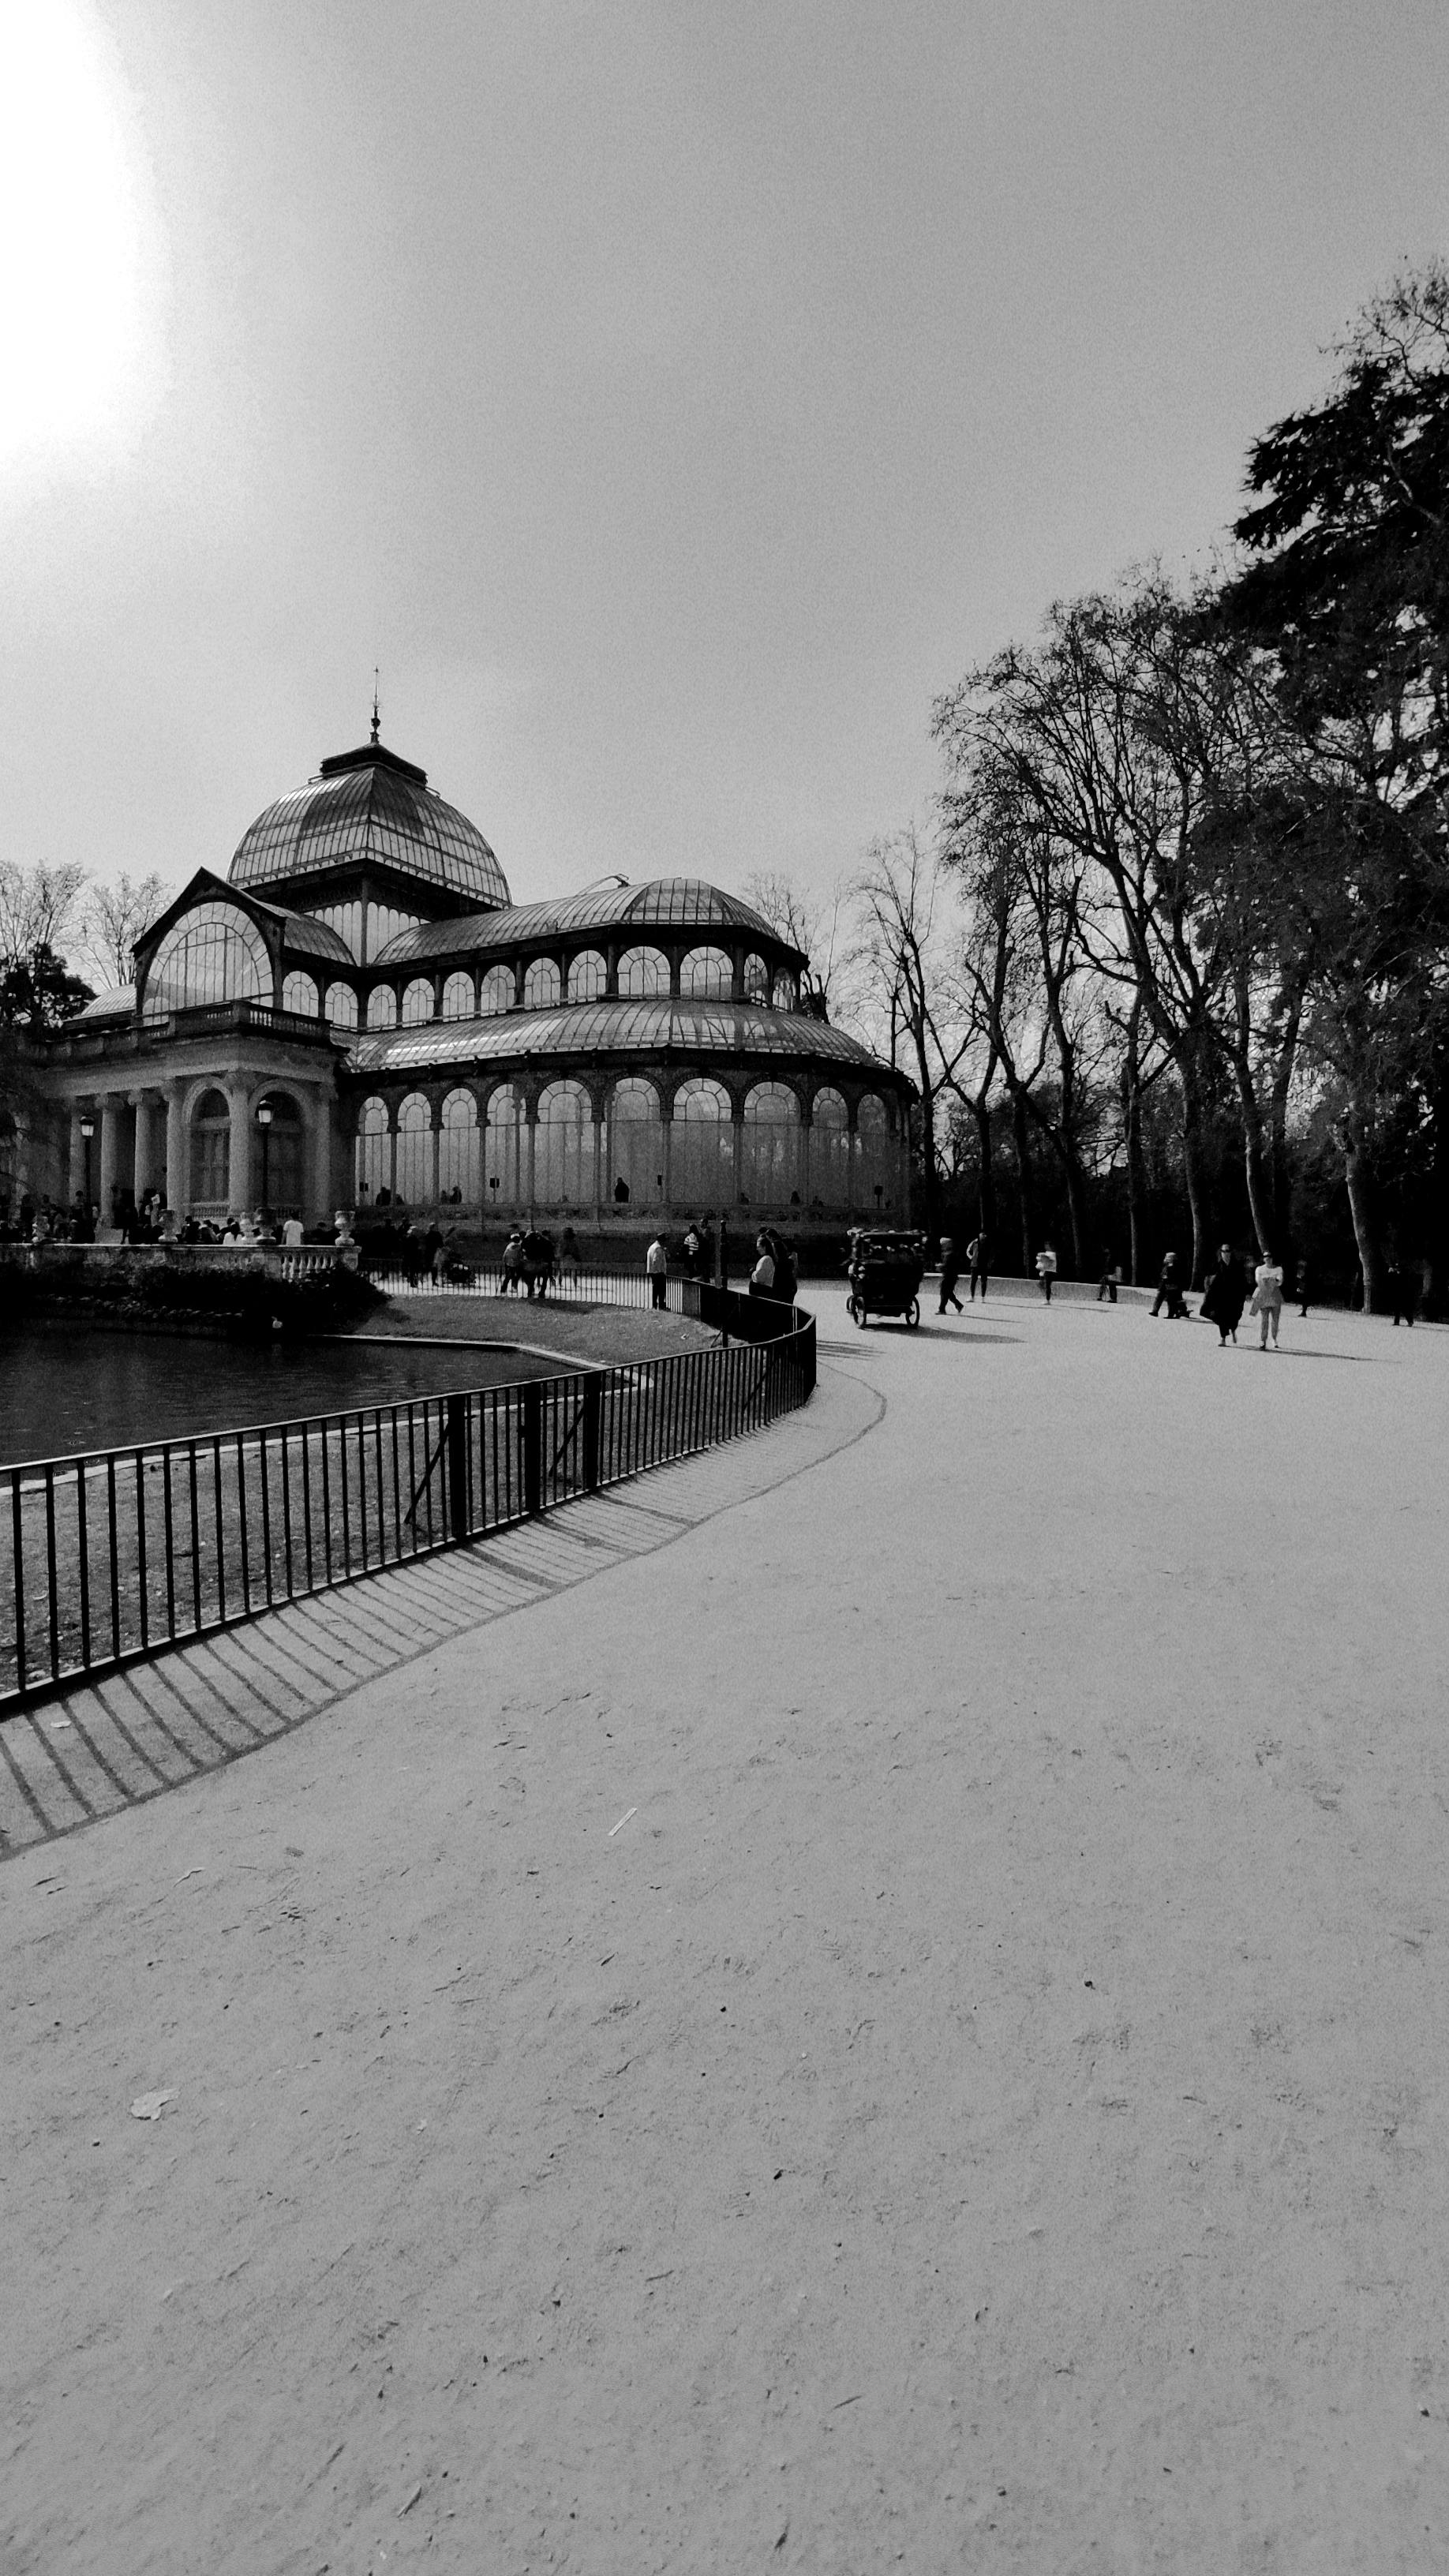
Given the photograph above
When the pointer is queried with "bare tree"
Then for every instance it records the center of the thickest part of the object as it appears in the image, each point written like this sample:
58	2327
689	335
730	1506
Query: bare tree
909	998
38	908
115	917
818	925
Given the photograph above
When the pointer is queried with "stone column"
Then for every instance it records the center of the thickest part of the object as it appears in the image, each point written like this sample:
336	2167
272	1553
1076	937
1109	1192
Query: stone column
802	1177
76	1185
597	1124
239	1149
178	1179
146	1174
667	1119
530	1116
437	1151
737	1122
109	1120
322	1160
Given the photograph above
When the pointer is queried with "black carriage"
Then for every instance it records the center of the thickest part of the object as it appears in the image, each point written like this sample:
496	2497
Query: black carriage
885	1270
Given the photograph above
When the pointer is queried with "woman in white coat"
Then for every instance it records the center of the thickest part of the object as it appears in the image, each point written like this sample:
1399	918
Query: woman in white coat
1268	1298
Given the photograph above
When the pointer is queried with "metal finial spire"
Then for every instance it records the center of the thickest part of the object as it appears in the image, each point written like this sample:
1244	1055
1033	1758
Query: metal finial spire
376	719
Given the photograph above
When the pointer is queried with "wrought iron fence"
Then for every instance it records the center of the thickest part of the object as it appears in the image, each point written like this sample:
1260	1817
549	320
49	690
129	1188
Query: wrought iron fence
116	1555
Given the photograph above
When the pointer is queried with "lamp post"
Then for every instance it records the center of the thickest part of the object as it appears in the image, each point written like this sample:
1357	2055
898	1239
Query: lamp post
88	1129
264	1121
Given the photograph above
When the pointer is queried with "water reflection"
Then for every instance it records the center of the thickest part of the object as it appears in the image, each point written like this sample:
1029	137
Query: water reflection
64	1388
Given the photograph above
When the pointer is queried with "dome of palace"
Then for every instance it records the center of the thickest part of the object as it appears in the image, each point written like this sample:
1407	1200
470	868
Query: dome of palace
370	806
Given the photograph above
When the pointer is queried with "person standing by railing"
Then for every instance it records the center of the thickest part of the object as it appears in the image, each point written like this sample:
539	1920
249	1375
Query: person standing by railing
656	1263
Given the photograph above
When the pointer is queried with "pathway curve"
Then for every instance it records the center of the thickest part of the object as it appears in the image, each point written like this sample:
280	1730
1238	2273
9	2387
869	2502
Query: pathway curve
904	2026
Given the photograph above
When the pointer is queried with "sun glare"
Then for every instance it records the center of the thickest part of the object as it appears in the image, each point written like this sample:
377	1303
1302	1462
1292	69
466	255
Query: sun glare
71	319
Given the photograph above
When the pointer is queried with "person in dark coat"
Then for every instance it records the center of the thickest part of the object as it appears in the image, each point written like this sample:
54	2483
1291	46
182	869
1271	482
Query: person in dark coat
1169	1290
1226	1294
950	1273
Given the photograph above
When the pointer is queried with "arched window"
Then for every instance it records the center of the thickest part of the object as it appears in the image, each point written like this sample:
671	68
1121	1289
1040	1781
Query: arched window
374	1153
634	1146
214	954
299	994
873	1155
277	1155
770	1163
643	972
701	1148
757	980
341	1006
563	1147
785	993
415	1151
505	1149
458	1158
498	990
588	976
211	1154
707	975
458	998
382	1007
830	1151
417	1002
541	986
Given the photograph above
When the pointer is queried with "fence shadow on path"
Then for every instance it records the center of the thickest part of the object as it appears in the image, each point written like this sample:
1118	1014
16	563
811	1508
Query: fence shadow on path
137	1734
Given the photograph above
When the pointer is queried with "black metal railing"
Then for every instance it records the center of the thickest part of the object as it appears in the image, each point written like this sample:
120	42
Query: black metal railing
113	1556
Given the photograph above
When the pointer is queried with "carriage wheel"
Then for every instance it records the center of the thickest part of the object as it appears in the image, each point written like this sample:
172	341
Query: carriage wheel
913	1313
855	1308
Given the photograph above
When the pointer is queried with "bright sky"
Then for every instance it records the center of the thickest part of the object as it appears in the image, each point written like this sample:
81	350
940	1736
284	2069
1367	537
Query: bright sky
670	397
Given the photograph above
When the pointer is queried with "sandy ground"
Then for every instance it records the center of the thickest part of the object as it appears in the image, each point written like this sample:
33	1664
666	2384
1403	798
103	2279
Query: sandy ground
985	2107
598	1333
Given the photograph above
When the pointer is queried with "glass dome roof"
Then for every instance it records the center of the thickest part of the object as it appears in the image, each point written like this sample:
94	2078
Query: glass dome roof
370	805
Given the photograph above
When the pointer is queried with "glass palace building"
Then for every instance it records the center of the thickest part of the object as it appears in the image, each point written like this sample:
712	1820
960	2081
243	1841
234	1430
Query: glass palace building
358	1015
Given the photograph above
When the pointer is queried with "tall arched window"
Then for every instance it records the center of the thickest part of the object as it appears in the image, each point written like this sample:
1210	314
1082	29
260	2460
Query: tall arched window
785	992
341	1006
588	976
830	1151
458	998
873	1155
757	980
215	953
701	1148
563	1147
417	1002
374	1153
277	1156
770	1165
382	1007
541	985
707	975
498	990
415	1150
299	994
634	1134
643	972
504	1149
211	1154
458	1158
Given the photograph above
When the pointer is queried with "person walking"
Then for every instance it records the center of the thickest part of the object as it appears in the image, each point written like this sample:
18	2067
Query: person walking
1169	1290
656	1263
1301	1290
1046	1270
569	1255
510	1278
978	1253
950	1273
1267	1300
1226	1295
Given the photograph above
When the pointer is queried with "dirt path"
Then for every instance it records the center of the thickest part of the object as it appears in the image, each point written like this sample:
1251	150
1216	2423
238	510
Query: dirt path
903	2027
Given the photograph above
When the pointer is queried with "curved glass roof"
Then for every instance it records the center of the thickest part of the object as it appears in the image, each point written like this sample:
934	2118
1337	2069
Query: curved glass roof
636	1028
313	938
370	805
665	903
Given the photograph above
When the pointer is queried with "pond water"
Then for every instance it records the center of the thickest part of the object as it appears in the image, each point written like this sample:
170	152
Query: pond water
65	1388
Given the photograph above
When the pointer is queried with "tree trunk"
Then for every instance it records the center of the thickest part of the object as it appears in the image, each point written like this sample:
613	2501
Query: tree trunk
1131	1079
1193	1173
1358	1181
1023	1177
986	1191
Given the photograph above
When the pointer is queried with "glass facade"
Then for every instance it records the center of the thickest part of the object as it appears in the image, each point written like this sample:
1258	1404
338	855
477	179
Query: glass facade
210	1152
415	1151
873	1156
346	920
341	1006
643	973
542	985
634	1146
830	1151
702	1148
770	1159
563	1149
417	1003
707	975
496	992
588	976
374	1153
458	998
299	994
214	954
505	1148
459	1159
757	980
382	1007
